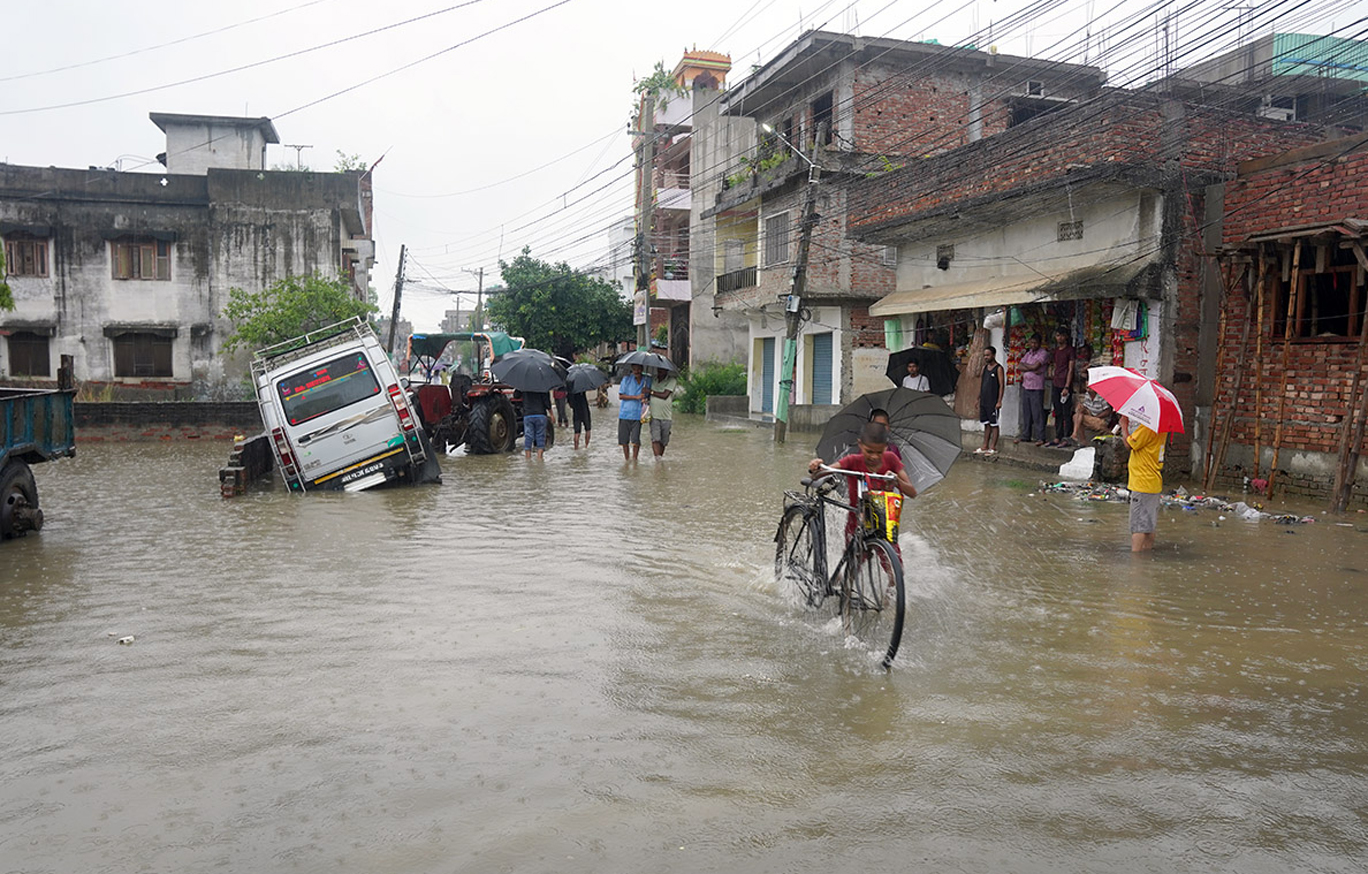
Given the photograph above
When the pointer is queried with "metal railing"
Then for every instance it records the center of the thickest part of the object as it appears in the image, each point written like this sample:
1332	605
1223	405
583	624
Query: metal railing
736	279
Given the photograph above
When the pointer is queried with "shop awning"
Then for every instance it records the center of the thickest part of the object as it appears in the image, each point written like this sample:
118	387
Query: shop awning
1101	280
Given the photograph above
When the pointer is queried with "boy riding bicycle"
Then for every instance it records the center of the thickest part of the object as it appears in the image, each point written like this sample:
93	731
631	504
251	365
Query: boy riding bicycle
875	458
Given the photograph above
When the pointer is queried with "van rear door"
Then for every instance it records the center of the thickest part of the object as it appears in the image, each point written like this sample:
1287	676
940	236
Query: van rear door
337	414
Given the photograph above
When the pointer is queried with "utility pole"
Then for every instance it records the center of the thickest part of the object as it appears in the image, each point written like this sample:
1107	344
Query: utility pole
792	320
479	299
645	211
398	290
299	153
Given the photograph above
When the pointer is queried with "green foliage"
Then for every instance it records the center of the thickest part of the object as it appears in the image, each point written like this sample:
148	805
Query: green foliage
556	308
293	306
662	335
346	163
710	379
660	85
6	297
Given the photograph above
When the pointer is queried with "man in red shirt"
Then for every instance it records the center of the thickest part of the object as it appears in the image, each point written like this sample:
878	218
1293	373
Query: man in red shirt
1060	383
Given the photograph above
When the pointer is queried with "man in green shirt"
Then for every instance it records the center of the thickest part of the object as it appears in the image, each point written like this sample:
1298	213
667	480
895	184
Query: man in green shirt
662	409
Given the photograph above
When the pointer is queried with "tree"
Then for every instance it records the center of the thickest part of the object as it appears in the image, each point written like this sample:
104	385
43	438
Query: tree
6	298
288	308
346	163
556	308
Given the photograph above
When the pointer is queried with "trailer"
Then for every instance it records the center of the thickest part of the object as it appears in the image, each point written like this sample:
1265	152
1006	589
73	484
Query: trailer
36	425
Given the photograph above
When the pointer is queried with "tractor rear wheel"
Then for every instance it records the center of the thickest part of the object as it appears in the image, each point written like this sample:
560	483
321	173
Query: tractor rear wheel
493	425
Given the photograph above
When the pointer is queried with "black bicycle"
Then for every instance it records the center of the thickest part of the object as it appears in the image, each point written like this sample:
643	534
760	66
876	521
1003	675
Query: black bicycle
865	589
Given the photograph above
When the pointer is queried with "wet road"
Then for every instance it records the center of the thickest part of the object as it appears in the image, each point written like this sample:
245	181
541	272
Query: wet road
581	666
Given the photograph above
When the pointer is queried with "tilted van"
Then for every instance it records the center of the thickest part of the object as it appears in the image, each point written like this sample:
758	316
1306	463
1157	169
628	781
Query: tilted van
337	415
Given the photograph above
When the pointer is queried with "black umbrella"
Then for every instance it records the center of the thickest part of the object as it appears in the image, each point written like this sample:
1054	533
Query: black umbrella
584	377
925	430
528	370
649	360
934	364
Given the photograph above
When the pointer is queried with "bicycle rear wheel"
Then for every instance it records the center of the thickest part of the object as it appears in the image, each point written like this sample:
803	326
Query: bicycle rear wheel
797	556
873	603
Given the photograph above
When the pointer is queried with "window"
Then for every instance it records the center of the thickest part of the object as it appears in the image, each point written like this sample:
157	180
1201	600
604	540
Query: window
320	390
26	255
1070	231
776	239
890	259
139	354
141	258
28	354
822	119
1329	304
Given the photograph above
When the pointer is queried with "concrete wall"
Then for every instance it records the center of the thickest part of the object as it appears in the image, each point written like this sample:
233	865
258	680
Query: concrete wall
191	149
117	422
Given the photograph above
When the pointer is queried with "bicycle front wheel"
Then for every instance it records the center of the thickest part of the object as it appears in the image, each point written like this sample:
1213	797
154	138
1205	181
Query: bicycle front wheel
873	602
797	557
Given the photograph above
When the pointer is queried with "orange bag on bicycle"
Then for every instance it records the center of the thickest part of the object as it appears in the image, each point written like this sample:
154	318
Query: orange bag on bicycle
880	513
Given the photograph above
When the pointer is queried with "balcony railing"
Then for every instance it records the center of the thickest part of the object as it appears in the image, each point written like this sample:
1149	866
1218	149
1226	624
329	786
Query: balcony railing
672	267
737	279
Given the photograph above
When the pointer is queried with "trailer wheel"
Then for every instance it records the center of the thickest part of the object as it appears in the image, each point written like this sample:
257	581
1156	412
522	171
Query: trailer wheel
19	513
492	425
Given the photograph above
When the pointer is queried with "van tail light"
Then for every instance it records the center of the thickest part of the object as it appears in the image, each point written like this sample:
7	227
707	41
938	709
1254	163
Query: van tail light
282	446
401	406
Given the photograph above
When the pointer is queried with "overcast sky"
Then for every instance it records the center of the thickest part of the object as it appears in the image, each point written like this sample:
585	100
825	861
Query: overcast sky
509	127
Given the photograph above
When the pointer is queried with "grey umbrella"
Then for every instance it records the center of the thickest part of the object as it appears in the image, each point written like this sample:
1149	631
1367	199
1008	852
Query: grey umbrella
925	430
584	377
649	360
528	370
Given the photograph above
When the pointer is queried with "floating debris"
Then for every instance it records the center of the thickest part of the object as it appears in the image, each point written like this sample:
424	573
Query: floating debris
126	641
1178	499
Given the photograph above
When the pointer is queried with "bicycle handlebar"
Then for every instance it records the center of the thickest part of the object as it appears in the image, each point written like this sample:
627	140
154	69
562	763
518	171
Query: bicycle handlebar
826	468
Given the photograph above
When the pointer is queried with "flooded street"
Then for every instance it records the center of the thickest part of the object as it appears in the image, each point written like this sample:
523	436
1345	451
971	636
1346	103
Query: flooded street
585	666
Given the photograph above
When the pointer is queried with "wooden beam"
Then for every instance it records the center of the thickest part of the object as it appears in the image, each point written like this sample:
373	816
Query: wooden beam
1293	307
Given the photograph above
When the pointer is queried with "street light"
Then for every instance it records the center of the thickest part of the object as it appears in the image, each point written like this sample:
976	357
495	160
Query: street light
793	309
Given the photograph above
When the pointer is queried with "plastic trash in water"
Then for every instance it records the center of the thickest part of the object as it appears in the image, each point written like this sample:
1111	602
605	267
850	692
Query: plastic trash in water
127	641
1080	466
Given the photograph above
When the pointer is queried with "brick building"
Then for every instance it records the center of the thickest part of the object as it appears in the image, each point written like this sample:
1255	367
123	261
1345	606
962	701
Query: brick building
852	107
1292	352
1091	218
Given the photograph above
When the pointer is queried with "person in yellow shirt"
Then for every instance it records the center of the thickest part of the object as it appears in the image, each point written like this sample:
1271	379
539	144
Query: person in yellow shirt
1146	481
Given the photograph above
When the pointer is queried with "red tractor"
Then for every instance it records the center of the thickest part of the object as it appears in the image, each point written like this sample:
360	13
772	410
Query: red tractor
458	397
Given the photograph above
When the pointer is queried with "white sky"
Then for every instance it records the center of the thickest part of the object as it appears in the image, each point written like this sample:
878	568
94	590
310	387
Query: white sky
504	141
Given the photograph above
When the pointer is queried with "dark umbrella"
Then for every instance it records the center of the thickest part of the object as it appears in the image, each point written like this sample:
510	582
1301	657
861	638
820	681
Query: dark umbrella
528	370
649	360
925	430
584	377
934	364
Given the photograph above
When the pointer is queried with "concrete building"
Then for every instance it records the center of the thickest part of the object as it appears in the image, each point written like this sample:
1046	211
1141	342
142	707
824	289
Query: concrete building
675	243
852	107
129	272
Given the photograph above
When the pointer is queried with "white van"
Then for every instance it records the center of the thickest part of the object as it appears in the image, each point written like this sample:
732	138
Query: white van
337	415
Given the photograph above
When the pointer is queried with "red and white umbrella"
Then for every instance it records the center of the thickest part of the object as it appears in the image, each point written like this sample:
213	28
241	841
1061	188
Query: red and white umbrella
1137	396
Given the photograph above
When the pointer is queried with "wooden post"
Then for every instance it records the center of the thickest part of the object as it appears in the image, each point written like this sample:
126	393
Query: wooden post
1213	462
1351	428
1293	308
1216	377
1258	366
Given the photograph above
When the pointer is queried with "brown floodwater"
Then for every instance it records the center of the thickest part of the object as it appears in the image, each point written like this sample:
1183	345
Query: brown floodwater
586	666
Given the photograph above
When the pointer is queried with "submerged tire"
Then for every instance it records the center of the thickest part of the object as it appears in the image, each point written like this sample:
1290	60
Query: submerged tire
19	513
493	426
873	599
798	563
